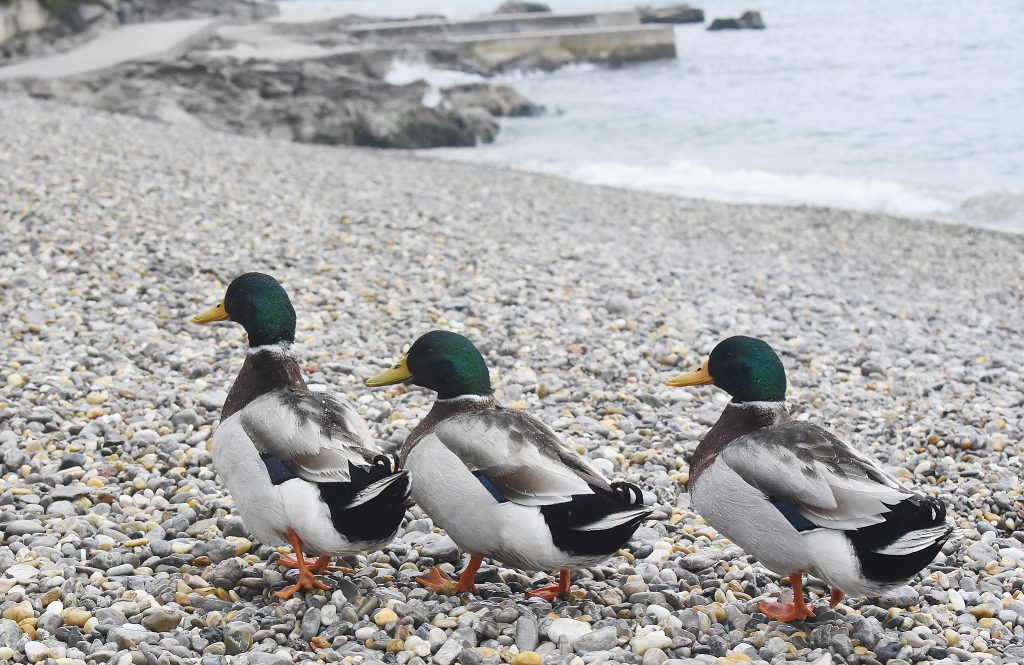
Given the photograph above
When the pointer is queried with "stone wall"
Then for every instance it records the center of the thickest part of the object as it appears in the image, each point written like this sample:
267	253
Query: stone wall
20	16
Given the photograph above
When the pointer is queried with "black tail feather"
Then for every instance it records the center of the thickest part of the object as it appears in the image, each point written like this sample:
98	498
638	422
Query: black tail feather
566	519
912	514
376	518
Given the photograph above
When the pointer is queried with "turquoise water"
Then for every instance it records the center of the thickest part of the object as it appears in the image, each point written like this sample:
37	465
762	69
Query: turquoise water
912	108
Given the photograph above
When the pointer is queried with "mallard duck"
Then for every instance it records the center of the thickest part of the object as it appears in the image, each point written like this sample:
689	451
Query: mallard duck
499	481
300	465
796	497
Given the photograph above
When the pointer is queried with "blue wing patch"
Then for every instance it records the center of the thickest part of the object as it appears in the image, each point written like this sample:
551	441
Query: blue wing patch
489	486
793	516
279	473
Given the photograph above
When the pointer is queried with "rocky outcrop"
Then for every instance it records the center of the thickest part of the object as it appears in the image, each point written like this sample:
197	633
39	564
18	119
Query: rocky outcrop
327	101
79	22
75	24
21	16
673	14
168	10
497	100
749	21
521	7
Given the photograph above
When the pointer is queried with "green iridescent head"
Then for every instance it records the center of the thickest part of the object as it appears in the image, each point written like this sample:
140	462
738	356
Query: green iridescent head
442	361
745	367
260	305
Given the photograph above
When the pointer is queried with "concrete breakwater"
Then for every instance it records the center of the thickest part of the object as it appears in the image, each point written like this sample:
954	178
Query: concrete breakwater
542	40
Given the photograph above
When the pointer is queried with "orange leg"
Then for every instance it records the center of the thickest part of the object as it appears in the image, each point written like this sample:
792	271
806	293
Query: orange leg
307	582
318	565
795	611
836	597
441	582
553	591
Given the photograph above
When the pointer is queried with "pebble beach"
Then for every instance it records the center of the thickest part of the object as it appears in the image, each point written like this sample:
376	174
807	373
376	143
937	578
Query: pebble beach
120	544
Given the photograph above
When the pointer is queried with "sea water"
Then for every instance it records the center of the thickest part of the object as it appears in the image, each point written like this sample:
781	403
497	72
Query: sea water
912	108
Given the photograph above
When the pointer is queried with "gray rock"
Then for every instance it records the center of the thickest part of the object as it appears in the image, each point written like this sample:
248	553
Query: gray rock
9	633
982	553
187	417
162	620
110	616
227	574
521	7
601	639
265	658
237	638
439	548
469	657
682	13
903	596
213	400
527	636
310	623
447	653
748	21
866	631
219	549
22	528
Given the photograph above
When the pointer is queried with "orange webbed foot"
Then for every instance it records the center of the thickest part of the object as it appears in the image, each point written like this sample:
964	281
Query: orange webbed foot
439	581
553	592
836	597
317	565
786	612
307	581
549	593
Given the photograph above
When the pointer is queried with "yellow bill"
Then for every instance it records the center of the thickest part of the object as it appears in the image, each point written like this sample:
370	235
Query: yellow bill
399	373
701	377
218	313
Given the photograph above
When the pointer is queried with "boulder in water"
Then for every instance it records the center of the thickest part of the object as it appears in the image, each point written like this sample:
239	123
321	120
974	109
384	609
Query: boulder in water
497	100
521	7
683	13
749	21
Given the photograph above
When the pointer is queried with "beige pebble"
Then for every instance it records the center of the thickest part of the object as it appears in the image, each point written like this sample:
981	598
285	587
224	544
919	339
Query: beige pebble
76	616
384	617
527	658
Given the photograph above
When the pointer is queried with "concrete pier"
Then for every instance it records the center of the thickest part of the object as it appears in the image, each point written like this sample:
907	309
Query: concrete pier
490	25
510	39
611	45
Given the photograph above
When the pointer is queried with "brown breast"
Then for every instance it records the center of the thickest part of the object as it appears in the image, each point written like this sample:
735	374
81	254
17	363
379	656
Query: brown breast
261	372
441	411
736	420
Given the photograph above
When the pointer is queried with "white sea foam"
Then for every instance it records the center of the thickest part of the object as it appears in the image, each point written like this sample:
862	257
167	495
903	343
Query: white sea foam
696	180
405	71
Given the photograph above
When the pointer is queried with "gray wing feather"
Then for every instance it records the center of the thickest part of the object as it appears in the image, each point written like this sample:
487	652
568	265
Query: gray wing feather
316	434
521	456
824	478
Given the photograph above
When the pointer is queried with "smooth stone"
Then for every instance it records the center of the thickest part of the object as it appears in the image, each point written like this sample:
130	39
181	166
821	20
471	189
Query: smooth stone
162	620
22	528
310	623
237	638
571	629
9	633
36	651
447	653
601	639
266	658
527	637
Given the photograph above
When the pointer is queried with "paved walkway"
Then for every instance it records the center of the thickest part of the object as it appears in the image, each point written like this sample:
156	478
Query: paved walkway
143	41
